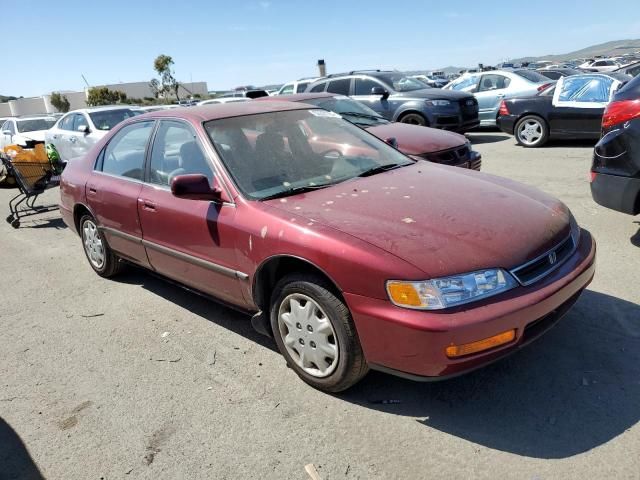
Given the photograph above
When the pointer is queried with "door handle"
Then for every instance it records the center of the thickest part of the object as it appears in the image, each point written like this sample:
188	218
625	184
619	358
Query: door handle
92	190
72	139
500	95
148	205
55	137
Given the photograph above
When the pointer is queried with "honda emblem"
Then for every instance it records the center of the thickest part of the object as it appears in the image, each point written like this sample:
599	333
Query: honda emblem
553	258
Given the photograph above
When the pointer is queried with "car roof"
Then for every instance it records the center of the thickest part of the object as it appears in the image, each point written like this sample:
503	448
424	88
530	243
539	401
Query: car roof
296	97
204	113
103	108
34	117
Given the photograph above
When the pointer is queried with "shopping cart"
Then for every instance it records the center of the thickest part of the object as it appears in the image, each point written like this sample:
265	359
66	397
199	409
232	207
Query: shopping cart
32	179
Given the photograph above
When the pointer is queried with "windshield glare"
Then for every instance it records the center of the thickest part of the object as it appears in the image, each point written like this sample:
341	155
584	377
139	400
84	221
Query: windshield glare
108	119
271	153
35	124
400	83
347	107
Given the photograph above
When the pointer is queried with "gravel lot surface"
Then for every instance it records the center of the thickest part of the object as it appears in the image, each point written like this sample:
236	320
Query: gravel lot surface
137	378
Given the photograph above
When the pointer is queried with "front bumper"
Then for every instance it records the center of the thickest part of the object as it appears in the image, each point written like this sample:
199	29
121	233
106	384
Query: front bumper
506	123
412	343
455	123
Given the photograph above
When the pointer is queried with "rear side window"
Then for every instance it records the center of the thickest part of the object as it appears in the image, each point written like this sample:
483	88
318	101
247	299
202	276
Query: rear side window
318	88
493	82
341	87
364	86
302	87
124	154
552	75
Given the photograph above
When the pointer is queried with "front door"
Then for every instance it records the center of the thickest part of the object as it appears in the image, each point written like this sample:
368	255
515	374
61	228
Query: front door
114	188
362	93
191	241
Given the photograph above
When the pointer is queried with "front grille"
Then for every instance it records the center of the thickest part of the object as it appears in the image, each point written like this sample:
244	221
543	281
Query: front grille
453	156
469	108
542	266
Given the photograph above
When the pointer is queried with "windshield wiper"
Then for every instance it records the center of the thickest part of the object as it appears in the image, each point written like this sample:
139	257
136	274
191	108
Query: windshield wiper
296	190
383	168
362	115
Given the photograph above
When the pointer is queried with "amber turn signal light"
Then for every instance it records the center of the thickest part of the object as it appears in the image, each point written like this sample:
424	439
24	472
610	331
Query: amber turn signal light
454	351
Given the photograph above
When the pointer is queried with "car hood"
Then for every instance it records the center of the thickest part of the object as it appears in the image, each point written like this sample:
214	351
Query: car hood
443	220
416	140
433	93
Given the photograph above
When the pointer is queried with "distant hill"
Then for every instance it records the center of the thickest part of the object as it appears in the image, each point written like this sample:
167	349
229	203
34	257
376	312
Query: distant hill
608	49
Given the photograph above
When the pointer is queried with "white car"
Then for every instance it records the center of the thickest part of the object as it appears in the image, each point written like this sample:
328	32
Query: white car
601	65
75	133
25	131
214	101
299	86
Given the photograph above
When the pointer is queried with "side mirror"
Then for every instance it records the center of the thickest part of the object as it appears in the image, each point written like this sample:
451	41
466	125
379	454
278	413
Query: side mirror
195	186
383	92
83	129
7	132
393	141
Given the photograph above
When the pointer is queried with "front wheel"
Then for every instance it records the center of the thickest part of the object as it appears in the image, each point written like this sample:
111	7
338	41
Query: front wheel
531	131
101	258
414	119
315	333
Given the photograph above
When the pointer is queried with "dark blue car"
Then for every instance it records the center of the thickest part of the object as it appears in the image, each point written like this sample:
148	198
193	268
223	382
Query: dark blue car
403	99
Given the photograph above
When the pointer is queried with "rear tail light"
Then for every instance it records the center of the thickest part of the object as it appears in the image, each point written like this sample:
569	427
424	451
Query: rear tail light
544	86
620	112
503	109
593	177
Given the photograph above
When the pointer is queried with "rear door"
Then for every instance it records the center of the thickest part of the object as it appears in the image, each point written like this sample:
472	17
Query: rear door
578	104
114	188
78	140
7	133
60	136
191	241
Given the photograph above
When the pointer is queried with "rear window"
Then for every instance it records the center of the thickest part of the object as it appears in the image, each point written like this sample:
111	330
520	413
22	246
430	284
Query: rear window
35	124
530	75
107	119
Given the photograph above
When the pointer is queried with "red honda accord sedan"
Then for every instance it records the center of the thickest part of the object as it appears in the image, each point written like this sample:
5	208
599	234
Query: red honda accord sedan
350	254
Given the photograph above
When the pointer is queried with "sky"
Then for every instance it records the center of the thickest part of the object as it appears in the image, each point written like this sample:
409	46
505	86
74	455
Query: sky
50	44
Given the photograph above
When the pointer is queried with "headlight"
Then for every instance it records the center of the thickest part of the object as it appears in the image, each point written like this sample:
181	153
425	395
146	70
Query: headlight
438	103
446	292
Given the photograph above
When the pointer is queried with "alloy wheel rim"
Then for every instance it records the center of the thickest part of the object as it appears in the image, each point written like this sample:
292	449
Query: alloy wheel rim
308	335
530	132
412	120
93	244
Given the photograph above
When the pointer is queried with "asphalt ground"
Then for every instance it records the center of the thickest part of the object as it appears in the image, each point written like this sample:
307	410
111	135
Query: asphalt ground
138	378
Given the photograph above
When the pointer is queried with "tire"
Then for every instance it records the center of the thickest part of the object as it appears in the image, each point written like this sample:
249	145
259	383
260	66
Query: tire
531	131
101	258
322	327
414	119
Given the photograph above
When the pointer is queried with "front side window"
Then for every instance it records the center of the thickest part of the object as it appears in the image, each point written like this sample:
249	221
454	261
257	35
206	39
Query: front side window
272	154
176	151
79	120
341	87
587	89
365	85
302	87
107	119
124	154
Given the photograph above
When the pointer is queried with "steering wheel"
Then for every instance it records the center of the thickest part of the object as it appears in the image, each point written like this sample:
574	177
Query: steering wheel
326	153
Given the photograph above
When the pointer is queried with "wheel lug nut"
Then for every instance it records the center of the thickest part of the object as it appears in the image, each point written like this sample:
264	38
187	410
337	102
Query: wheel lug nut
313	344
301	341
309	328
298	326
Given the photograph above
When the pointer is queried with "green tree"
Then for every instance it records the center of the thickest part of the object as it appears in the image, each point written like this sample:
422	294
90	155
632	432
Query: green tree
104	96
168	83
60	102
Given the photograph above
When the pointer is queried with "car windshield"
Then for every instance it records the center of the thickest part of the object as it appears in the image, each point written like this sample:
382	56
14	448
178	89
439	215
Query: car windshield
107	119
278	153
353	111
532	76
35	124
401	83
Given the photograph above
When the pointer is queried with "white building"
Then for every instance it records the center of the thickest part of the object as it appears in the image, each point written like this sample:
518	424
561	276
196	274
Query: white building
42	104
